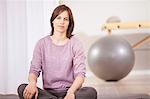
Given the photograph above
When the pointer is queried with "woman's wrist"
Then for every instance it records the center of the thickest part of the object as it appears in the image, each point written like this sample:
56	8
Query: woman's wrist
32	83
70	92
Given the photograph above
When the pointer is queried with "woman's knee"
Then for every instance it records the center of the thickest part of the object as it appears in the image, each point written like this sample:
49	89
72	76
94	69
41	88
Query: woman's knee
21	89
91	90
87	93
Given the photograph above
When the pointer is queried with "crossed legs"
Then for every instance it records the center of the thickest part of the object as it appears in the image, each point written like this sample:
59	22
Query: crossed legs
82	93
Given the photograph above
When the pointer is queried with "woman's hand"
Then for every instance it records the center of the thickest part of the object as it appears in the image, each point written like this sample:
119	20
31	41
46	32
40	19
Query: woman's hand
70	96
30	91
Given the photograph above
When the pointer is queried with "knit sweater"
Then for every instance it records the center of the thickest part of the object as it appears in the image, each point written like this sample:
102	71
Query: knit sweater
59	64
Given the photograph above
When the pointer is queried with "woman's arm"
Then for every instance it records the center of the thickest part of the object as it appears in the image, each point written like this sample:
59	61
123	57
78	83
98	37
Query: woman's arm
32	79
78	68
31	88
74	87
79	80
34	72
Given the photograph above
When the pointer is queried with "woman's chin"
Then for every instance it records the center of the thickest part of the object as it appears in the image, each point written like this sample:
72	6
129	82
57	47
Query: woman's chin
61	31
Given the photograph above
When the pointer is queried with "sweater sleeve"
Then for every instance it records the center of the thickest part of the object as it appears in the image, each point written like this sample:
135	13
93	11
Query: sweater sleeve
78	59
36	63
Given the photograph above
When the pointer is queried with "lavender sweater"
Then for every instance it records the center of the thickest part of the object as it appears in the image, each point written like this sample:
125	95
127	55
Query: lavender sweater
59	64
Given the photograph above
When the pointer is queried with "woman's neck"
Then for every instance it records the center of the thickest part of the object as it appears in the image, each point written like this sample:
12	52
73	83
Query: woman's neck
59	38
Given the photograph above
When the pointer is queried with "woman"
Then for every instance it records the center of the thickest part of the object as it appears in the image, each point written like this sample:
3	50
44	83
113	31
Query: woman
60	58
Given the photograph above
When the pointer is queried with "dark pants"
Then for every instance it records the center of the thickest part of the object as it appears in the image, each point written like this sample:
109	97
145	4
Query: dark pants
82	93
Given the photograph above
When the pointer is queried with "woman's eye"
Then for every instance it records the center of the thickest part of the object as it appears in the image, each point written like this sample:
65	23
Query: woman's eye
66	19
58	17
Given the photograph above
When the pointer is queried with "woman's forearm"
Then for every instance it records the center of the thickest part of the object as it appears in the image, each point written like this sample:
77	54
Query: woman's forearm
79	80
32	79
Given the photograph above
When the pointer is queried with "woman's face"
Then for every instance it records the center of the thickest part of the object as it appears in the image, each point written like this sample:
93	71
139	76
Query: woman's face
61	22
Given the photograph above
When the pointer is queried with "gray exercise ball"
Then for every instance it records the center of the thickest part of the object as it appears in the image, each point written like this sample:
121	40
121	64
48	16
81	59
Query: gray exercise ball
111	58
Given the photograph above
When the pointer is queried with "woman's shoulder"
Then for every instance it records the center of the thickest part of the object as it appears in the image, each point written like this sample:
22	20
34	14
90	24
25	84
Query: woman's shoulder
76	41
75	38
43	40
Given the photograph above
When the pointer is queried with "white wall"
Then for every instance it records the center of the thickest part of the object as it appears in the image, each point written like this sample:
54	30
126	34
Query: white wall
148	3
23	22
91	14
16	44
3	47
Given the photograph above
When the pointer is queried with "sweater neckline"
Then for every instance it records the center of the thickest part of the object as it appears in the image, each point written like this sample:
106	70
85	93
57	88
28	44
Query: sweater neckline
56	44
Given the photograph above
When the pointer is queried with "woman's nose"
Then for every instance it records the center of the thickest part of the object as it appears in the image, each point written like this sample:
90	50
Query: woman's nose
62	21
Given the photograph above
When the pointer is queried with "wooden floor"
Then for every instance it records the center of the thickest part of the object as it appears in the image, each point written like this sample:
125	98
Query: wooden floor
134	84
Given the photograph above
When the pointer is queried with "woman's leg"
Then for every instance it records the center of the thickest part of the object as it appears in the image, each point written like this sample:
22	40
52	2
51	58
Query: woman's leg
86	93
42	94
59	94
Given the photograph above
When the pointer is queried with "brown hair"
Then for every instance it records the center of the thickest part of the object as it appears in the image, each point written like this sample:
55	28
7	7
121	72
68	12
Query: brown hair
59	10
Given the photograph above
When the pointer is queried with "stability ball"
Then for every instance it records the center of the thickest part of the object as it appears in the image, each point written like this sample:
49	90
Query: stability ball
111	58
